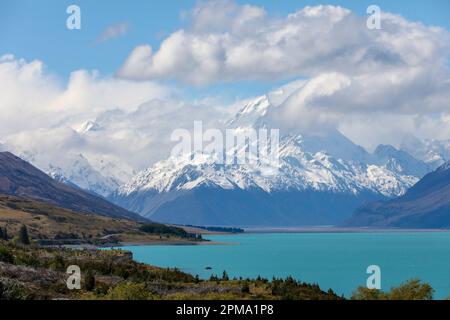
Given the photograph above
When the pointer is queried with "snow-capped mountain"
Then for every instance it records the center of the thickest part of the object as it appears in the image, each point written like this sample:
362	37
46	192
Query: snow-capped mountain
426	205
320	179
300	169
401	162
433	152
77	171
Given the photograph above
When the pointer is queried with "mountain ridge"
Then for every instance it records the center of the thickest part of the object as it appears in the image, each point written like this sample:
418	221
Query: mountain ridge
326	169
19	178
425	205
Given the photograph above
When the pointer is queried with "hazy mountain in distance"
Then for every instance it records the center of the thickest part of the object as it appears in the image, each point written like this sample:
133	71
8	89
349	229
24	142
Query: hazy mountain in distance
433	152
401	161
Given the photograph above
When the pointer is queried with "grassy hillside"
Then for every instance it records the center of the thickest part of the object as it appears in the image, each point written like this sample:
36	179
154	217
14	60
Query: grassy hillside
48	224
19	178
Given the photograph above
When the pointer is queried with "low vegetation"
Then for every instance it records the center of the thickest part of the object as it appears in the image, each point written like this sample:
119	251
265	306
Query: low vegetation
33	272
410	290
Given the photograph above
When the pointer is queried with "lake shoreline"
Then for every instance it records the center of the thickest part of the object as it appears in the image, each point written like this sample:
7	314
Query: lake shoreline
336	230
249	231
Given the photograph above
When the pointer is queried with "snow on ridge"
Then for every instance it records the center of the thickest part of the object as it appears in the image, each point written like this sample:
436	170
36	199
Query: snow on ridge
307	162
299	170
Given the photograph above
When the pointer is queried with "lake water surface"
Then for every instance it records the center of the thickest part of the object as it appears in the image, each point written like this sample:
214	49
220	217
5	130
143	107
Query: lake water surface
333	260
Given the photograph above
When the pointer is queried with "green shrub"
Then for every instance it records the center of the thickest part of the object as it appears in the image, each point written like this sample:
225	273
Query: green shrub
128	291
23	235
89	281
156	228
363	293
410	290
12	290
245	288
6	255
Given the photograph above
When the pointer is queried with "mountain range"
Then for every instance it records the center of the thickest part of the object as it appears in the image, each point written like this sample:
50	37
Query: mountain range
322	177
425	205
321	180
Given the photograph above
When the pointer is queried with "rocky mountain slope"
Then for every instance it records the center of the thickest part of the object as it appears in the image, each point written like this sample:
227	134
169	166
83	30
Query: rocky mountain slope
425	205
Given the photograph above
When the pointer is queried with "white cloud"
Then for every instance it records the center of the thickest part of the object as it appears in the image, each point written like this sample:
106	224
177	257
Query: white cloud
374	85
229	42
33	99
113	31
133	120
356	79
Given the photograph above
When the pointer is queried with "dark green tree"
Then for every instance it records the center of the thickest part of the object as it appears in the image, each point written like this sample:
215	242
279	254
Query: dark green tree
225	276
245	288
3	234
23	235
89	281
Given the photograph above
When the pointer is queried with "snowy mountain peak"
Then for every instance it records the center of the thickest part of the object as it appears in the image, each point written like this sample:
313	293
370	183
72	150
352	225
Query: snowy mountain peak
326	162
319	178
433	152
88	126
251	112
76	170
300	169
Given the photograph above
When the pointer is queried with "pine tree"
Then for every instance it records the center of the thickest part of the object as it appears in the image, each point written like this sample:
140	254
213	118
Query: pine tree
23	235
89	281
3	234
225	276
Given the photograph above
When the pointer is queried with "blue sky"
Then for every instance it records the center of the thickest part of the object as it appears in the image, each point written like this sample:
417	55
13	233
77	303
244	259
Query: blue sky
36	30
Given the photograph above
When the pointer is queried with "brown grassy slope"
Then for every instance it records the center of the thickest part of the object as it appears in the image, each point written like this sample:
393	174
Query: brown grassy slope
21	179
47	222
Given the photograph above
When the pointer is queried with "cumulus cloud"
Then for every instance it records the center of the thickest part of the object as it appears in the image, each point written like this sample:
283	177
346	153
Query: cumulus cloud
41	112
113	31
351	73
230	42
32	98
373	85
93	115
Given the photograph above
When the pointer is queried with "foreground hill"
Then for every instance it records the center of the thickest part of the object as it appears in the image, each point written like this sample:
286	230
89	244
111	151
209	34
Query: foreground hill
52	225
425	205
28	272
19	178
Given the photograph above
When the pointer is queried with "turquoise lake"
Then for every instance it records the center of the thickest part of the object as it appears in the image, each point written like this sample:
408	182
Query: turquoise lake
333	260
